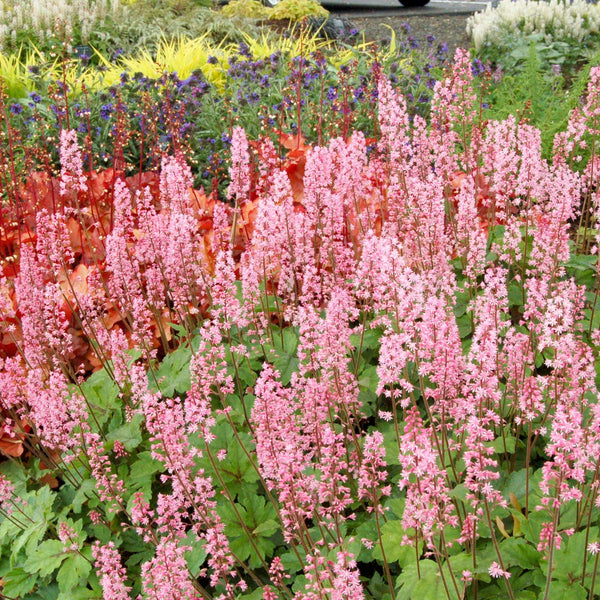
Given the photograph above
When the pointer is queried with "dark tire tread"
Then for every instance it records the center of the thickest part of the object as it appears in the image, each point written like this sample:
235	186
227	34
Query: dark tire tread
413	3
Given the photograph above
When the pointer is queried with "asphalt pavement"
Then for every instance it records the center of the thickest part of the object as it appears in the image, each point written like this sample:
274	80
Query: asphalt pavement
389	8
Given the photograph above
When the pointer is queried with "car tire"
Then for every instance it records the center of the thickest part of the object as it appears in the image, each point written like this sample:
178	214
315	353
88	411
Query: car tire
413	3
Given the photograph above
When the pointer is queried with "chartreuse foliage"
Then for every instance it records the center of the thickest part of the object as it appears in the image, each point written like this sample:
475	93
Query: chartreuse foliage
294	10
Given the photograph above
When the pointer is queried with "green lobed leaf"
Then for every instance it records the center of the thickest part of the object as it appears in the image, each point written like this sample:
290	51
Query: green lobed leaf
235	469
17	583
30	538
504	444
101	394
197	555
283	353
142	472
369	340
525	595
465	325
569	559
48	556
173	373
74	569
561	590
84	492
49	591
129	434
251	536
392	536
411	576
515	294
518	552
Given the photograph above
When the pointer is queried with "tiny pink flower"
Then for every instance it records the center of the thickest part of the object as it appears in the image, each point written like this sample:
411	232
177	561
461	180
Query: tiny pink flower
496	571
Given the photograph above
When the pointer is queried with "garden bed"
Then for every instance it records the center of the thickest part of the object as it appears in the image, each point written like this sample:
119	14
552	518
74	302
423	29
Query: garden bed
450	29
287	320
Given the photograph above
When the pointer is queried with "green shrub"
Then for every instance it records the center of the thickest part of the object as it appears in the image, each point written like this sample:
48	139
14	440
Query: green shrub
564	33
544	98
43	22
154	21
297	9
251	9
293	10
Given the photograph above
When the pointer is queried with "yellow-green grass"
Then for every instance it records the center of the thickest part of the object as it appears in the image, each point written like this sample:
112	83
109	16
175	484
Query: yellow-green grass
181	55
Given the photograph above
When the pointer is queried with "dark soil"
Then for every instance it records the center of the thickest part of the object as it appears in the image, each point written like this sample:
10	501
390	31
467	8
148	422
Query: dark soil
448	28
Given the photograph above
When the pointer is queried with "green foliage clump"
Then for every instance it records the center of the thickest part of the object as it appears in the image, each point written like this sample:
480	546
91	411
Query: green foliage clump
512	54
292	10
564	33
251	9
153	21
543	97
297	9
127	27
45	22
174	4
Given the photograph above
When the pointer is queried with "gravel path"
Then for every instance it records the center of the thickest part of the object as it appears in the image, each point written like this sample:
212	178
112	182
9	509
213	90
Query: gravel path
447	28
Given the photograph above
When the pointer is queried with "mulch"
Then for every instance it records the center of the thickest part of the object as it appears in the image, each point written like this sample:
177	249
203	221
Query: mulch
450	29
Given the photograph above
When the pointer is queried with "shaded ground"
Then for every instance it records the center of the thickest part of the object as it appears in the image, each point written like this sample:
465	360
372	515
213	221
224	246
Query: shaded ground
447	28
387	8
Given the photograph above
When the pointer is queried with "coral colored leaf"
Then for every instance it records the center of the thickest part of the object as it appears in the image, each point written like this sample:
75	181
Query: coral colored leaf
11	447
289	141
12	444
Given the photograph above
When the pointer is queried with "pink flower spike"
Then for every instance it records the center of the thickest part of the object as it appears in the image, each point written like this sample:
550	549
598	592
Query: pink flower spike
72	178
239	172
112	573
